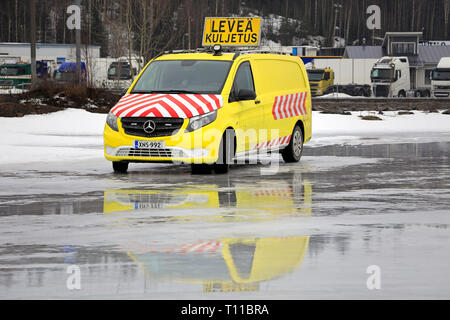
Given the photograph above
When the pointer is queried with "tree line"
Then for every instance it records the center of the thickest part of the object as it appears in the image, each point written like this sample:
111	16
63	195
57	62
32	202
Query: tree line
147	27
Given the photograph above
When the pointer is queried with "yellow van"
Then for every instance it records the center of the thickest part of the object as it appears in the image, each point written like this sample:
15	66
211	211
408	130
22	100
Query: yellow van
210	108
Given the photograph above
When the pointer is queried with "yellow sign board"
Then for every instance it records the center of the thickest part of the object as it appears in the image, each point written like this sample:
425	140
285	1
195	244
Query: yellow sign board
232	31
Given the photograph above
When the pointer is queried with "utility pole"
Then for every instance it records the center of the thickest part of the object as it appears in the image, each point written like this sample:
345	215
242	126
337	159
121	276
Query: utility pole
78	49
33	42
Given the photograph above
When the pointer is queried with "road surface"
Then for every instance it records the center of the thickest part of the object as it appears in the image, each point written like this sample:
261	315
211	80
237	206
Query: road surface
360	221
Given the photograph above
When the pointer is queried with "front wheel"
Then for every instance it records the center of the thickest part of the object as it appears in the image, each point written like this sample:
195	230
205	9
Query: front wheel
120	167
402	94
293	152
226	152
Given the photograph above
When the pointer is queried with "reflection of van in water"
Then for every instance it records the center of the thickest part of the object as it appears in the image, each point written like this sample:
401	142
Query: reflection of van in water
223	264
207	109
271	198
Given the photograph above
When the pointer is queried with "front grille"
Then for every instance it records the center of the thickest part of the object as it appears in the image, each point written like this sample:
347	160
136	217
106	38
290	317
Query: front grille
314	92
164	126
157	200
443	87
381	91
147	152
313	84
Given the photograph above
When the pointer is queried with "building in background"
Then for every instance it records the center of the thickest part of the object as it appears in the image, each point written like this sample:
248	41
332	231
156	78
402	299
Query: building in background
61	52
423	58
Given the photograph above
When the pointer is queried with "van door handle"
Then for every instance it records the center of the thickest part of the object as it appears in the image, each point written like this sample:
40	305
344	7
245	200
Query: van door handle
257	101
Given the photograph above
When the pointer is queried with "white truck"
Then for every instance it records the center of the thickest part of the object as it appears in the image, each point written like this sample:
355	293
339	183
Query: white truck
440	79
390	77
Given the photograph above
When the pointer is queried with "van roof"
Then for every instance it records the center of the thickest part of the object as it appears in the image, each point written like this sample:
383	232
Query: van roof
71	66
207	54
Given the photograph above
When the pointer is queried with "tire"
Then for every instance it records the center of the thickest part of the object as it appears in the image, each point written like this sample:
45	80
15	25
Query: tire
120	167
200	169
417	94
226	152
293	152
402	94
361	93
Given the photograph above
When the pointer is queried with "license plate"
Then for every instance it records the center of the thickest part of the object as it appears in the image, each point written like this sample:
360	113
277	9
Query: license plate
149	144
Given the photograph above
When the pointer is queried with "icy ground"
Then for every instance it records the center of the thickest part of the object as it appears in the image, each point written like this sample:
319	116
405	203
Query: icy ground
77	134
365	193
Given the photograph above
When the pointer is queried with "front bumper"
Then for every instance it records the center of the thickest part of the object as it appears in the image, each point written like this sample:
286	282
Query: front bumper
441	94
200	146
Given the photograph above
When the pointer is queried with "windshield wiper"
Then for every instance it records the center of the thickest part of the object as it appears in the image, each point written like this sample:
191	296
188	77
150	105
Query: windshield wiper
144	91
174	91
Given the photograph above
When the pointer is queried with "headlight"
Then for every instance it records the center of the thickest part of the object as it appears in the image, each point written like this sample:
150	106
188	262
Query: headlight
111	120
201	121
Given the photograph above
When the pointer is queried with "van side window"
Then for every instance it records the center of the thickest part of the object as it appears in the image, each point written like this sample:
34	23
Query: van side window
243	80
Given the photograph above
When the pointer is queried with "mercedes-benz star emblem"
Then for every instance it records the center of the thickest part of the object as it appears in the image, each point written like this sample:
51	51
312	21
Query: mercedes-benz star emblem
149	126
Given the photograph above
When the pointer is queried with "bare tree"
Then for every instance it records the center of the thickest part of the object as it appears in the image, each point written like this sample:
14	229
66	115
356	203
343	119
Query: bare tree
446	15
129	24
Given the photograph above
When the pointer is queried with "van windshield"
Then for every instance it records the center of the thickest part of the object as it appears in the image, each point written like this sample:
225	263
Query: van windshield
184	76
115	71
65	76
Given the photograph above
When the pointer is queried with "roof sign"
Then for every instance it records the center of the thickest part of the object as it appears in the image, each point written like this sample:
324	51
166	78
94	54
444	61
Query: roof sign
232	31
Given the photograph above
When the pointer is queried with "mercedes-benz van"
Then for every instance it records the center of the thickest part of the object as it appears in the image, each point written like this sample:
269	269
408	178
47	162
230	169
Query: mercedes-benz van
210	108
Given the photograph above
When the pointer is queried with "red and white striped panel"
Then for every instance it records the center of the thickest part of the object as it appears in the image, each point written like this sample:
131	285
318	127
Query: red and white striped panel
166	105
273	144
201	247
285	192
288	106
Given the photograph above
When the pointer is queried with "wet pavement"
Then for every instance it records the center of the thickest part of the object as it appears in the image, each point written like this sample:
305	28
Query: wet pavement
308	232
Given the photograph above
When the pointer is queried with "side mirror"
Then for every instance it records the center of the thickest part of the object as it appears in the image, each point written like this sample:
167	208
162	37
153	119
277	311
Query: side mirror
245	94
